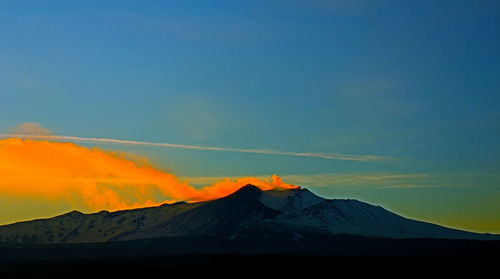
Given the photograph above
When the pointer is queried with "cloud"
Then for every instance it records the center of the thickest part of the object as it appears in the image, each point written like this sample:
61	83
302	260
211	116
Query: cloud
94	179
407	186
31	129
390	180
363	180
209	180
377	180
35	131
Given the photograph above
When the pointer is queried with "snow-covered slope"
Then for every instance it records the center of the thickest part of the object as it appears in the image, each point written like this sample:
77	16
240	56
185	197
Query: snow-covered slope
301	208
248	209
98	227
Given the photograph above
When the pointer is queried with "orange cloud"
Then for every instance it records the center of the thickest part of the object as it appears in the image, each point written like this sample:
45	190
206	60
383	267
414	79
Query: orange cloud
95	179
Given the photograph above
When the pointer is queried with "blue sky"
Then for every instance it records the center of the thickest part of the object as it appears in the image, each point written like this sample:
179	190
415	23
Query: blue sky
415	82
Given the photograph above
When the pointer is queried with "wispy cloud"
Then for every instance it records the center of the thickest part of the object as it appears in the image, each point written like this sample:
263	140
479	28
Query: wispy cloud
357	179
390	180
209	180
322	155
377	180
407	186
343	180
31	128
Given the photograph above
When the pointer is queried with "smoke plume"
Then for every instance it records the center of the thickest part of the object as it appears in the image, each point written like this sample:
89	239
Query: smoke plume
96	179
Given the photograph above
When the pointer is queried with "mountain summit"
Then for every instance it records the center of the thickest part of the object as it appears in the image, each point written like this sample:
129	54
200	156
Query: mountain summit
297	211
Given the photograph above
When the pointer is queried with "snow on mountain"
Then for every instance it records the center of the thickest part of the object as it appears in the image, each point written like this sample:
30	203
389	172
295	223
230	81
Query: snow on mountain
296	211
97	227
353	217
289	201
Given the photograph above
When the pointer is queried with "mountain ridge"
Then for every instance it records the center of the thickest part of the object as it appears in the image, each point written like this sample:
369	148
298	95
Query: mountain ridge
297	211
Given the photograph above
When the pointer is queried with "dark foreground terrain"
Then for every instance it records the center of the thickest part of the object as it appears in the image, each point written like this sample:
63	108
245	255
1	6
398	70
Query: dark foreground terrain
249	256
254	266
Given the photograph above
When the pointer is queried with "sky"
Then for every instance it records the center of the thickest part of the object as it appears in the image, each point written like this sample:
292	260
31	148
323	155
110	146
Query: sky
411	84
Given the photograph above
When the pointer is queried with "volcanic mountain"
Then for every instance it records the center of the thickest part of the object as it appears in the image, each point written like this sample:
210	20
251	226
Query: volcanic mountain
248	210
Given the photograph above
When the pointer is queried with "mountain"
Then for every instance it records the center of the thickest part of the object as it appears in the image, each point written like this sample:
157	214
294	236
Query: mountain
297	212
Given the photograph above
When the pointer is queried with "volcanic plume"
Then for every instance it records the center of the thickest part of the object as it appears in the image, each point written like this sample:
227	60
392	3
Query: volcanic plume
97	179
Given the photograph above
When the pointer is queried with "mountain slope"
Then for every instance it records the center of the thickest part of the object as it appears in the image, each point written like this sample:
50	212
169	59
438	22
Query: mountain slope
248	210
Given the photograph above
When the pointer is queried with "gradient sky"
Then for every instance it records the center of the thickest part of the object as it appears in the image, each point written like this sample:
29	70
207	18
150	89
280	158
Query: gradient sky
415	82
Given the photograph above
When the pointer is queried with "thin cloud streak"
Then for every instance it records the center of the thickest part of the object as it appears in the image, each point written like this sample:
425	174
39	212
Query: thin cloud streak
322	155
379	180
340	180
356	180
